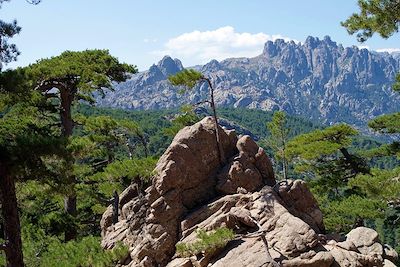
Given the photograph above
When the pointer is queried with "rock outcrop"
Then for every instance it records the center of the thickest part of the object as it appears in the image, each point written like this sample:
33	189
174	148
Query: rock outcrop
275	224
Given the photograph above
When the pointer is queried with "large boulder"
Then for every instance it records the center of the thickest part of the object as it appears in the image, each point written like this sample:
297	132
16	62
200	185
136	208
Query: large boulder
185	179
275	224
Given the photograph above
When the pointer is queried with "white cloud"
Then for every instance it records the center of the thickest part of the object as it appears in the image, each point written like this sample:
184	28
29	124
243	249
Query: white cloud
389	50
199	47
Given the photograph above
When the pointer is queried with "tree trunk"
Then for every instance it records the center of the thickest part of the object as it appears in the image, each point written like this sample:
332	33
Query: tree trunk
12	227
70	208
284	160
354	165
220	149
284	170
67	128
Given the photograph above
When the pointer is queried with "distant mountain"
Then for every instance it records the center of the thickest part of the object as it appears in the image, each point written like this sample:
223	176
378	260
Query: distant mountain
319	80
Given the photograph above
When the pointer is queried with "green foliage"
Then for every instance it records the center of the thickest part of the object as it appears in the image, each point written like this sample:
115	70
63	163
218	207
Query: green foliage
383	184
323	155
186	117
384	150
341	214
89	70
386	124
85	252
188	78
278	139
321	142
27	135
279	133
127	170
375	16
8	52
206	242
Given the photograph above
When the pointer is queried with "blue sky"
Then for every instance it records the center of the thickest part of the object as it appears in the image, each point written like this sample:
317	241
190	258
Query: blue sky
141	32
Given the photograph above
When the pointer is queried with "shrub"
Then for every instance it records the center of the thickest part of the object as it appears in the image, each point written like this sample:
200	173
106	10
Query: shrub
207	242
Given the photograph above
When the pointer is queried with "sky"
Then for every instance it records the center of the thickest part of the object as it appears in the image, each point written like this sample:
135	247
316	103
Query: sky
141	32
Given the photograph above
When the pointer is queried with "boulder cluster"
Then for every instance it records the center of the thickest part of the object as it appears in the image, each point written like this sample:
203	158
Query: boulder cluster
275	224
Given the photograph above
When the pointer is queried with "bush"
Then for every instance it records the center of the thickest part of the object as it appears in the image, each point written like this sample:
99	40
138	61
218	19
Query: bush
86	252
207	242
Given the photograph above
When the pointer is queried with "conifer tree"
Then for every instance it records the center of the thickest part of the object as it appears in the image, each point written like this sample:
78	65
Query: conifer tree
324	157
76	76
279	138
27	136
375	16
189	78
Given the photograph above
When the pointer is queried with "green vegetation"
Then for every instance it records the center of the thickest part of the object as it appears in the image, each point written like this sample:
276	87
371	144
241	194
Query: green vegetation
188	78
206	242
103	135
375	16
61	161
278	139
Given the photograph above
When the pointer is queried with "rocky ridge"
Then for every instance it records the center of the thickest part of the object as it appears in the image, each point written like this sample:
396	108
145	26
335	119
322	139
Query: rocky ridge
276	224
318	79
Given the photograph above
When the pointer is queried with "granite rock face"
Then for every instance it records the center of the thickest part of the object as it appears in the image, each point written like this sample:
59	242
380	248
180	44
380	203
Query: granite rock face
318	79
186	179
275	224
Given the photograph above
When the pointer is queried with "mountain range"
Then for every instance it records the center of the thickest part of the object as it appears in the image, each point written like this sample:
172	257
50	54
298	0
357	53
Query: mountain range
318	79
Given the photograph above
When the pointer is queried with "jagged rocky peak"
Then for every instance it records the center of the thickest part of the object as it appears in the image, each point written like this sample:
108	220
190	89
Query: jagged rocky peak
275	224
169	66
153	75
211	66
272	49
311	42
314	79
327	40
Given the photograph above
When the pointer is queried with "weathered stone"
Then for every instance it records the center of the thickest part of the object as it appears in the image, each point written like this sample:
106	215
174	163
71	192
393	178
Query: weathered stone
241	173
180	262
264	166
390	254
273	223
128	194
345	258
106	220
300	202
250	170
388	263
366	240
247	146
320	259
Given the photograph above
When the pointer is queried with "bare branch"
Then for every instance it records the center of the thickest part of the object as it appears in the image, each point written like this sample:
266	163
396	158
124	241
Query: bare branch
47	85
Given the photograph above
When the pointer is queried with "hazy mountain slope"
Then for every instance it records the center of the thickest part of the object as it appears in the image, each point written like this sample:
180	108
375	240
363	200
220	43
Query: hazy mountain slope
318	79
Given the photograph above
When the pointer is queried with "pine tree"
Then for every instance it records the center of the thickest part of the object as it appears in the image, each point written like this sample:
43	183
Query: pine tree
189	78
279	138
76	76
375	16
27	136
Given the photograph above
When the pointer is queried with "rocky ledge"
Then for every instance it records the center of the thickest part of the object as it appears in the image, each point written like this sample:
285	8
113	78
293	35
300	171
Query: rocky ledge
275	224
